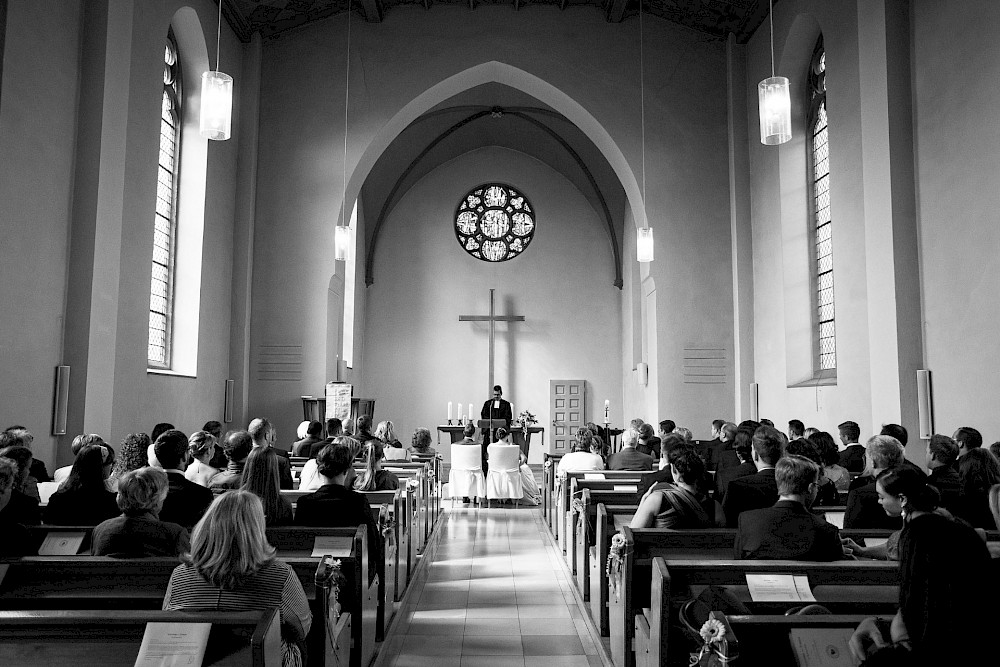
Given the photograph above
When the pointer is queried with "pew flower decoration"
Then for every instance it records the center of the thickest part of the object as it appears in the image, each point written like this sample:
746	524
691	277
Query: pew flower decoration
713	649
412	484
526	419
577	506
614	566
547	465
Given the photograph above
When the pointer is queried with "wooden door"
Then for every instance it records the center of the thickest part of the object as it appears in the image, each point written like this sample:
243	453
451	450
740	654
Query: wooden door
568	407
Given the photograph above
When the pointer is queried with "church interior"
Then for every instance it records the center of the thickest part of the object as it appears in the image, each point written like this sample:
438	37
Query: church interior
839	275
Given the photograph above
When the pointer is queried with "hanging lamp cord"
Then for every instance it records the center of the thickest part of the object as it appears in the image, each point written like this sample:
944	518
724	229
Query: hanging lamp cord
642	117
770	17
347	97
218	38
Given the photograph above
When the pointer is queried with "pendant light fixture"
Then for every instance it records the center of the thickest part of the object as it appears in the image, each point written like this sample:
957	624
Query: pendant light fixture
644	235
774	101
342	236
216	96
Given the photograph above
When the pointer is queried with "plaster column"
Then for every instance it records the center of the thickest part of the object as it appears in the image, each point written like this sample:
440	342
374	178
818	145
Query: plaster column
99	193
892	262
248	117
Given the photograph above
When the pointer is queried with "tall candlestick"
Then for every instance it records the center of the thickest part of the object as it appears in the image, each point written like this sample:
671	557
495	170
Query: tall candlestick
449	411
459	413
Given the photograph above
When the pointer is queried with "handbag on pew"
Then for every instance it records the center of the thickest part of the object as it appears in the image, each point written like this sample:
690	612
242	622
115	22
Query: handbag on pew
696	612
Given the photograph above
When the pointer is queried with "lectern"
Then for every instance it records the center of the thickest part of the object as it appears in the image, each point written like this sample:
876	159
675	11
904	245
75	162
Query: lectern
491	425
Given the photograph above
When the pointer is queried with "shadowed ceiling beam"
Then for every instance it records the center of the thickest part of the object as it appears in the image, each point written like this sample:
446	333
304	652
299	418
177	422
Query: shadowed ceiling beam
616	10
373	11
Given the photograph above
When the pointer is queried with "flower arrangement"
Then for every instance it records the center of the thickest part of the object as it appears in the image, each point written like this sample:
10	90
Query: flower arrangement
614	566
526	419
547	465
412	484
713	649
576	507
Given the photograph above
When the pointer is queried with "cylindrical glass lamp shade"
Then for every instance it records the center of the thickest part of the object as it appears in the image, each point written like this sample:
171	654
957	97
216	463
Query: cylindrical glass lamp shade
644	244
775	111
216	105
342	243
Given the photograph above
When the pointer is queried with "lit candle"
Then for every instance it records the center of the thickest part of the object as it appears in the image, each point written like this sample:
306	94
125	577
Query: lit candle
607	404
449	411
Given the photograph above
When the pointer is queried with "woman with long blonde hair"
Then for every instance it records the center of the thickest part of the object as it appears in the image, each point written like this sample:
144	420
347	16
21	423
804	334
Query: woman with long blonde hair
394	451
232	567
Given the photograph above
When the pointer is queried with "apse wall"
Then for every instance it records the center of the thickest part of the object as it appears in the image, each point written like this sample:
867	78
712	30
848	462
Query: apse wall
419	356
573	61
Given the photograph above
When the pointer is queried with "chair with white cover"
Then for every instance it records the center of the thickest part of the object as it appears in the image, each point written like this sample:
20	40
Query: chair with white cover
503	481
466	477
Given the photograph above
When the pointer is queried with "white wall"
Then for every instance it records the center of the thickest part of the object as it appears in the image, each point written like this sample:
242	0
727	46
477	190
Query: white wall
419	356
958	162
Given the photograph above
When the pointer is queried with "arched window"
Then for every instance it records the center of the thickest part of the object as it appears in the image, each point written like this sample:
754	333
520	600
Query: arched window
822	222
161	294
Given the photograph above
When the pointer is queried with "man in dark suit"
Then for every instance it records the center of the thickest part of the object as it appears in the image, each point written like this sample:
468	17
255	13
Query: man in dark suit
495	408
264	435
706	449
863	508
852	456
726	475
186	501
967	438
333	504
758	490
722	454
237	448
304	446
629	458
788	530
942	453
334	429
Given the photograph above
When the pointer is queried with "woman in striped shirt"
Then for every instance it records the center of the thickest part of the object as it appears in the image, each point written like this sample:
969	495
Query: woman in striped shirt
232	567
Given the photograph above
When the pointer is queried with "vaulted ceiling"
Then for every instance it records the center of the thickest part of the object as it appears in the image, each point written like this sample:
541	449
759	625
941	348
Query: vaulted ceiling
716	18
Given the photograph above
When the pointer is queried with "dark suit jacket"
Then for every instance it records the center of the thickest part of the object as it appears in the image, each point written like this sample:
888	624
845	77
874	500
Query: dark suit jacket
630	458
139	537
22	509
945	479
708	449
304	446
651	447
786	531
15	540
503	412
336	506
315	448
81	507
864	511
853	458
284	469
726	475
38	471
186	501
749	493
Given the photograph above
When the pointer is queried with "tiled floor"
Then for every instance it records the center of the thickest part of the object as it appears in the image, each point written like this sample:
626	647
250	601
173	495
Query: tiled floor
494	593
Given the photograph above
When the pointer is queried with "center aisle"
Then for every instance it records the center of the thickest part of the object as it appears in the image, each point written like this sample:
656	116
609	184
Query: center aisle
493	594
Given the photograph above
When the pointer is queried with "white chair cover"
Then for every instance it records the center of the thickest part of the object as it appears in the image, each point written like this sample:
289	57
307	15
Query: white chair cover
504	477
466	477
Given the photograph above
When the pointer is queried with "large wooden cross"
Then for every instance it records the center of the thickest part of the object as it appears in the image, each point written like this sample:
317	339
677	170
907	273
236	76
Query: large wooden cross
492	318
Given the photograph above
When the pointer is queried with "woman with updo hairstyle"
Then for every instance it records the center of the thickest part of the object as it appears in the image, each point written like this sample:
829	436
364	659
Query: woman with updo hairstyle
201	447
680	505
902	491
232	567
583	456
262	477
830	454
131	457
83	500
393	448
373	478
947	601
421	442
138	532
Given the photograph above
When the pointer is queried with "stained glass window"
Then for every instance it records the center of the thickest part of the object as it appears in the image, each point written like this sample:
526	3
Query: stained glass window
165	214
494	222
822	222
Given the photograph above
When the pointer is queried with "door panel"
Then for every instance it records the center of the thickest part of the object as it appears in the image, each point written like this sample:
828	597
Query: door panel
568	407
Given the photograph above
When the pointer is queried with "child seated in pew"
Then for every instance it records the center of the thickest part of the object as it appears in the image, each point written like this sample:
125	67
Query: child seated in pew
373	477
681	504
232	567
947	601
138	532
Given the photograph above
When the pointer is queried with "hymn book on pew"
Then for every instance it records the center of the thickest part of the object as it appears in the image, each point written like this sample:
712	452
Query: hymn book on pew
65	543
779	588
173	645
822	647
332	545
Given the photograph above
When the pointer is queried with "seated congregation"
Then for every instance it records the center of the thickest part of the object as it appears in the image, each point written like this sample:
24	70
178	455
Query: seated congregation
666	533
231	523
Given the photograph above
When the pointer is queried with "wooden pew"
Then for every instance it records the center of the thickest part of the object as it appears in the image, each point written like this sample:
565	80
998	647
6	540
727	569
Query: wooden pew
765	638
608	492
561	502
549	464
585	532
99	582
113	638
834	584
